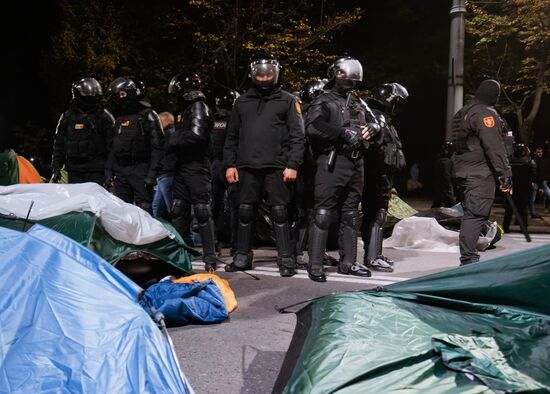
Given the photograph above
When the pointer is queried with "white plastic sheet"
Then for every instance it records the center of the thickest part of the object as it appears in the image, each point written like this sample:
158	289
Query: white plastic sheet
427	234
124	222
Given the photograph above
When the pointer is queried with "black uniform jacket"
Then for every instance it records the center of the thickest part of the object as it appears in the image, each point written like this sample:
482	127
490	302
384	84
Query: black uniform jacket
486	154
265	131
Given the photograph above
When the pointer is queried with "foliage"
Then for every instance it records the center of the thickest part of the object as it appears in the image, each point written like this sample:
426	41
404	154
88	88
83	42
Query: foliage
512	45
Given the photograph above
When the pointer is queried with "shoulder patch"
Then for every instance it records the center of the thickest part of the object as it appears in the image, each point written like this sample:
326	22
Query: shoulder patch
489	121
297	106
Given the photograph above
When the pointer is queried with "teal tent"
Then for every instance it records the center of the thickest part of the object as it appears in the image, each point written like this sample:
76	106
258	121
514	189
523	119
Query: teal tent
479	328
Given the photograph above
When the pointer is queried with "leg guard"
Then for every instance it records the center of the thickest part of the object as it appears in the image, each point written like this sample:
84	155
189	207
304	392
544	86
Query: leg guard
243	256
208	236
181	220
285	258
347	239
318	234
300	236
376	229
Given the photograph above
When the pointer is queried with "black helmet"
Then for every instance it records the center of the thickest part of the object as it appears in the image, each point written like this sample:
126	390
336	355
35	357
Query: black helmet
184	83
226	99
86	87
312	90
520	150
262	66
124	87
388	94
346	68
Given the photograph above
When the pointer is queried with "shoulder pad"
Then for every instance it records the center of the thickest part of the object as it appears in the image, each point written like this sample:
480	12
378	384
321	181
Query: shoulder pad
200	109
146	104
108	115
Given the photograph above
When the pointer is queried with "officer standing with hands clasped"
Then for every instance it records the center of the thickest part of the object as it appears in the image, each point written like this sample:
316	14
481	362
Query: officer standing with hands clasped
336	126
480	159
263	149
83	135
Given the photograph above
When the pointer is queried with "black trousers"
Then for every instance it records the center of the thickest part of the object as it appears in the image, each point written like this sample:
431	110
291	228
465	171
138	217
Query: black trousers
341	188
479	194
86	176
192	182
255	184
130	183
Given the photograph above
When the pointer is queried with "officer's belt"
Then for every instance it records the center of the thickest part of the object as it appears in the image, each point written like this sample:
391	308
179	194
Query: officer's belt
130	161
352	154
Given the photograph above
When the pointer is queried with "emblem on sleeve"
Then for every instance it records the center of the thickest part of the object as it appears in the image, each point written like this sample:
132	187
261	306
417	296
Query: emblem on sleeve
298	108
489	121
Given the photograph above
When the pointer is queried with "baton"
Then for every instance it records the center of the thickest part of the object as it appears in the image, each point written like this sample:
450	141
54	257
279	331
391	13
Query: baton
518	217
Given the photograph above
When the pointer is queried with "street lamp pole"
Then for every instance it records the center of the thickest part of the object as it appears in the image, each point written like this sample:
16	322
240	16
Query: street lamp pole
455	82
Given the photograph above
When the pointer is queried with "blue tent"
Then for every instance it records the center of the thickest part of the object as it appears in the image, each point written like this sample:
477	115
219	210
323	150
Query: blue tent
71	323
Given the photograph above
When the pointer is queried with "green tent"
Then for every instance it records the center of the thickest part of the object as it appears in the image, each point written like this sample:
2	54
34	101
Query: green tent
475	329
86	229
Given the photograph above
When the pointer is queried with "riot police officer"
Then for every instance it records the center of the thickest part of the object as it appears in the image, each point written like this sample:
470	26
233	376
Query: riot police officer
83	135
222	192
263	151
444	195
336	124
192	181
137	144
480	159
383	158
303	198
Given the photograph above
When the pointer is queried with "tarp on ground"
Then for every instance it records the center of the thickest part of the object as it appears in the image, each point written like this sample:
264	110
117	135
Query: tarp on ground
96	219
425	233
480	328
71	323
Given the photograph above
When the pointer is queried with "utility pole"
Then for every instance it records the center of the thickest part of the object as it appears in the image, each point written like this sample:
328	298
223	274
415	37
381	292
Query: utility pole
455	81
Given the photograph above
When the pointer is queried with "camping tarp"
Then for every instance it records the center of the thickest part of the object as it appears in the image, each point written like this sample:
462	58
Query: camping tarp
96	219
16	169
71	323
484	327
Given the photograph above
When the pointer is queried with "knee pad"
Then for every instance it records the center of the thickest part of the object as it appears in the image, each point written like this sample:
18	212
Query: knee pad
350	218
246	213
202	212
178	207
381	216
279	214
323	218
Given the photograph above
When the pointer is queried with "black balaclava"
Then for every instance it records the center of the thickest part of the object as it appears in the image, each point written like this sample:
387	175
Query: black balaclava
87	103
343	85
488	92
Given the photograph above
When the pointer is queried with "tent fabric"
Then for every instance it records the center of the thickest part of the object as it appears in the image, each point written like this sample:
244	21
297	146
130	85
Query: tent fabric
484	327
27	172
124	222
223	286
188	303
70	322
425	233
87	229
9	168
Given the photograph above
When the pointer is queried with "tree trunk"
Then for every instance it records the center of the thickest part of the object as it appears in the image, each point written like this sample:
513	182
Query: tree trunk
526	127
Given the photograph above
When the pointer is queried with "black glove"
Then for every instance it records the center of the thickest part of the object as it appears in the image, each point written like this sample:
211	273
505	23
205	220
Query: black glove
352	137
505	183
56	175
373	128
150	185
109	180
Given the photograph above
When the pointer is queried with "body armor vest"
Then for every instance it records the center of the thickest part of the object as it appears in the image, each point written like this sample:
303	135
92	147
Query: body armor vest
83	140
132	141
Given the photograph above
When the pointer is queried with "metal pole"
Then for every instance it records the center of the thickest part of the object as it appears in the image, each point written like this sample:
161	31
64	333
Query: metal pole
455	82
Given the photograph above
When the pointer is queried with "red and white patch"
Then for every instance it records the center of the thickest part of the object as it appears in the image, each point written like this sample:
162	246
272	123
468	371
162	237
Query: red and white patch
489	121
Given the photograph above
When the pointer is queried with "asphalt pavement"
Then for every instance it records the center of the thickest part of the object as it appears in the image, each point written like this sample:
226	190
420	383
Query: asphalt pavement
244	354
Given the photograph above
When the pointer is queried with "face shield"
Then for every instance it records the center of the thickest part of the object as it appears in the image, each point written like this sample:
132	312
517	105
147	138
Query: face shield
88	87
265	72
349	69
399	90
174	85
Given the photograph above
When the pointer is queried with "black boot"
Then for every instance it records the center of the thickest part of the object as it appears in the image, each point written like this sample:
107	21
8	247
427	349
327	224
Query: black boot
207	232
181	220
318	234
347	240
285	258
242	260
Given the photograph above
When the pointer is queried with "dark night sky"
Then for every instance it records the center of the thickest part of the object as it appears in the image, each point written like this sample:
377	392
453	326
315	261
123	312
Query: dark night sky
395	44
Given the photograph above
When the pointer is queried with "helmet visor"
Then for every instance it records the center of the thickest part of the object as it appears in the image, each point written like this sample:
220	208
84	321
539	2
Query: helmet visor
88	87
174	85
400	91
264	74
350	69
